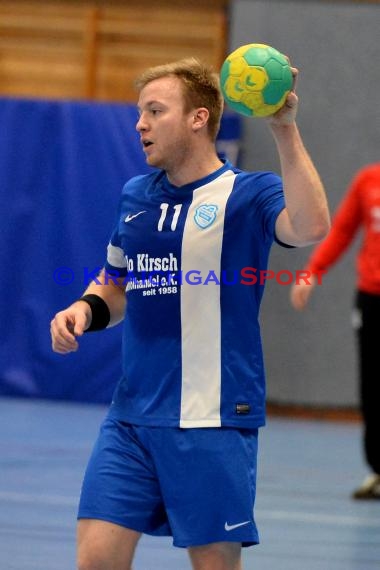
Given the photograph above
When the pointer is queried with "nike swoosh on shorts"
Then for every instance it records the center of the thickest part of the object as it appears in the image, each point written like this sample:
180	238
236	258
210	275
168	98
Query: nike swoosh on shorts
229	527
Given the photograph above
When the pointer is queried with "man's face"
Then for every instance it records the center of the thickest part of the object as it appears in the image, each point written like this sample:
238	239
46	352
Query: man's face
164	127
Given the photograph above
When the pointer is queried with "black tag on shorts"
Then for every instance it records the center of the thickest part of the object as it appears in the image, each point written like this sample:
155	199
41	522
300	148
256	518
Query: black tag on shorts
242	409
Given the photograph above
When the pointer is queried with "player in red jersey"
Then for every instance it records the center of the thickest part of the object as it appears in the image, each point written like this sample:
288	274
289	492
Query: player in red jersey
359	210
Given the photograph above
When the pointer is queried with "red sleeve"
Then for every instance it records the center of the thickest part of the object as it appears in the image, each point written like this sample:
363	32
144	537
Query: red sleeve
345	223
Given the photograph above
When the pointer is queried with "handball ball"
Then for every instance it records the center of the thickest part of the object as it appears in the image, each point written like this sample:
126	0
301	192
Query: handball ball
255	80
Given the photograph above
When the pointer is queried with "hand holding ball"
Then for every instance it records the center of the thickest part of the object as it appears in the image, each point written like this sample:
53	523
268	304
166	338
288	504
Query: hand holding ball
255	80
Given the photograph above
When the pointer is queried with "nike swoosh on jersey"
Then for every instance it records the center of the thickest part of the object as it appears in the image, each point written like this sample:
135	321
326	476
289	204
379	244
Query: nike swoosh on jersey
229	527
132	216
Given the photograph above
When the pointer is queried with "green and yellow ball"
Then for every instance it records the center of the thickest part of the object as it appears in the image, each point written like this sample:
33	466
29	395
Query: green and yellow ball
255	80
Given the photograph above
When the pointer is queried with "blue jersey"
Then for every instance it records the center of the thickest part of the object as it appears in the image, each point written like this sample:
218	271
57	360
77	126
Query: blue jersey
191	258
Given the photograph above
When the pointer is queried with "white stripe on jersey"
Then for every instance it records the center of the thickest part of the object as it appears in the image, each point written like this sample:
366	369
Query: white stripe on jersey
116	257
200	309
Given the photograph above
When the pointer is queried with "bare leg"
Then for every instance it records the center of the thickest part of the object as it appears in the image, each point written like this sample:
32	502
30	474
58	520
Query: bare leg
216	556
105	546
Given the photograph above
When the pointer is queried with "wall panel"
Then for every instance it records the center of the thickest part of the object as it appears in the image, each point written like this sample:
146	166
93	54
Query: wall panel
94	50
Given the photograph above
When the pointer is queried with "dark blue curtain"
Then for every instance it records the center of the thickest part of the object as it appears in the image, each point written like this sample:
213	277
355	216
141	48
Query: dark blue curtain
62	168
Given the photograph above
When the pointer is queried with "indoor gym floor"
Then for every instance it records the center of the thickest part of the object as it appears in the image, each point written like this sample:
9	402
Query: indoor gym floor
305	516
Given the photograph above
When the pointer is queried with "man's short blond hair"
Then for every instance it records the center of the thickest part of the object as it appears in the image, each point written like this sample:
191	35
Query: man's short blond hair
201	87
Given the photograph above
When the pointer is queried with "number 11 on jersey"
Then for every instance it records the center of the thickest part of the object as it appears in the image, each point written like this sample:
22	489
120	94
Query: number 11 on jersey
164	212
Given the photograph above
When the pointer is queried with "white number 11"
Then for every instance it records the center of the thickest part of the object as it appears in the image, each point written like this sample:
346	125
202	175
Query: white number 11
164	210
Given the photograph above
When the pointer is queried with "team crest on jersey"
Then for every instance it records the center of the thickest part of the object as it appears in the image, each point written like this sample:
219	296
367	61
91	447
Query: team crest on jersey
205	215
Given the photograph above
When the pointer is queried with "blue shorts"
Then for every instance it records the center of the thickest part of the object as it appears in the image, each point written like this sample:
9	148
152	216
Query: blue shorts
197	485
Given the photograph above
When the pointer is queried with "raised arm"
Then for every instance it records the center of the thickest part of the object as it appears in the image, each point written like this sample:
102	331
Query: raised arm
306	219
72	322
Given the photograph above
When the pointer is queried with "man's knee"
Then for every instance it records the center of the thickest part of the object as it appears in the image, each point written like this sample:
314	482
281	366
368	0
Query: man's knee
91	562
216	556
105	546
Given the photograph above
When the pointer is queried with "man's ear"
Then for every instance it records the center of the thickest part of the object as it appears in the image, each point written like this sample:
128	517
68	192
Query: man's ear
200	118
